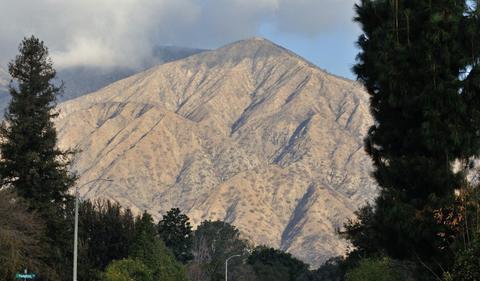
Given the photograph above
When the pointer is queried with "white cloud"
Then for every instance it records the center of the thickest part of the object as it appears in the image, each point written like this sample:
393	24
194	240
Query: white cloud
123	32
86	51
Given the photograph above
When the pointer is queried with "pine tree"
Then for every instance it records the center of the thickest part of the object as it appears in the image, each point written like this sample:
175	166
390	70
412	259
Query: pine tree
148	248
418	62
31	162
176	231
106	231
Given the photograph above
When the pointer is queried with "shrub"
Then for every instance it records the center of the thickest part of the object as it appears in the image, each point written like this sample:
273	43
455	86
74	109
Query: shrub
127	270
373	270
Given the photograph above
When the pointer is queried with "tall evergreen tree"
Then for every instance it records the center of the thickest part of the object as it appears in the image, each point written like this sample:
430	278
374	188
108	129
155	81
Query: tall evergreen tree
148	248
419	63
176	231
106	231
31	161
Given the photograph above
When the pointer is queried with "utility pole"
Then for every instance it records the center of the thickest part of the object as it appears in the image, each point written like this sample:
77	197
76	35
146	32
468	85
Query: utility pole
226	265
75	240
75	237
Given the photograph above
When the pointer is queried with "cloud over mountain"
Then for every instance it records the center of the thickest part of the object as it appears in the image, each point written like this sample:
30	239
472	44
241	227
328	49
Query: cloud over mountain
123	32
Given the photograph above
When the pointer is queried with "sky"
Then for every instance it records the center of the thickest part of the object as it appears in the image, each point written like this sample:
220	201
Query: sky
109	33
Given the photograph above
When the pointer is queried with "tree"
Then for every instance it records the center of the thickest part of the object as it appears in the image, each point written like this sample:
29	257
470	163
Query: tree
106	232
242	272
373	270
150	249
127	270
467	263
419	63
333	269
176	231
21	239
463	220
362	233
213	243
274	265
31	161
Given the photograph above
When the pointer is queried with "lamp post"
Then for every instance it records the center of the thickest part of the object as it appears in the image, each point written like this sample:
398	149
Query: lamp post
75	238
226	265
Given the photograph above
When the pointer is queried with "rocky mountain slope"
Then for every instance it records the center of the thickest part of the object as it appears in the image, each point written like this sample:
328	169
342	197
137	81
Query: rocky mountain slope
80	80
249	133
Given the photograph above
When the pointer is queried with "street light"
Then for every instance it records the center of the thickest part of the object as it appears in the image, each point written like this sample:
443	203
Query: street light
226	265
75	238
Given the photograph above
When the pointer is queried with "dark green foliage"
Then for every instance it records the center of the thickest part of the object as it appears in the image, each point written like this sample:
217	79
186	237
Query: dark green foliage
467	263
106	231
144	226
464	221
148	248
413	63
334	269
127	270
274	265
176	231
213	243
31	161
373	270
242	272
363	232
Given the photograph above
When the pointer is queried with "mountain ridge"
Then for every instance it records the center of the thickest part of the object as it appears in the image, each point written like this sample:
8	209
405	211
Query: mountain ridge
247	133
81	80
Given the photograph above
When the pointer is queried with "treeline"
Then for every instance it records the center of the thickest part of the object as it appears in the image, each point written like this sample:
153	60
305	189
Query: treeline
115	245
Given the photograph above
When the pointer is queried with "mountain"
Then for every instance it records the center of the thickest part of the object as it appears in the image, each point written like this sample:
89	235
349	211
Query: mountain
80	80
4	96
4	78
249	133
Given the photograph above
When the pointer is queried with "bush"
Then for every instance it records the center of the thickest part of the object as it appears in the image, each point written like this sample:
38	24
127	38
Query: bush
127	270
467	263
373	270
274	265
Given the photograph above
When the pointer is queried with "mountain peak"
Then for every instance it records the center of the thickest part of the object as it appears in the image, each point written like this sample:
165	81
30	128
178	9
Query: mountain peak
257	38
254	48
247	133
254	44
